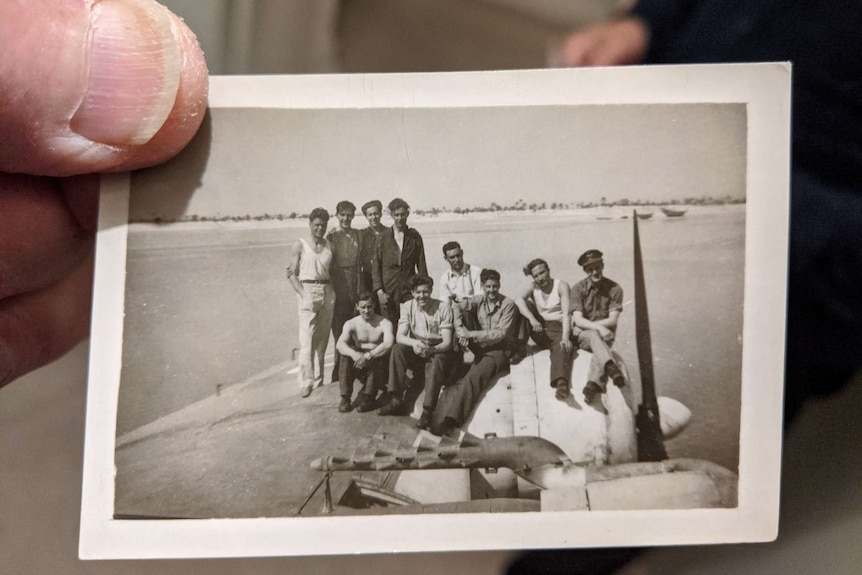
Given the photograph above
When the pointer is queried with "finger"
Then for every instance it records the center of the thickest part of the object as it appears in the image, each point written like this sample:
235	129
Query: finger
96	85
41	241
38	327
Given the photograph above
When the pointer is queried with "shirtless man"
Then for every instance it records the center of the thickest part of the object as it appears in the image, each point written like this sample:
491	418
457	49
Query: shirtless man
547	308
364	345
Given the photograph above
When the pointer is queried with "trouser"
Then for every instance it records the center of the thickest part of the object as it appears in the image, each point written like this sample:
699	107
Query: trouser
591	340
561	360
345	282
372	376
432	370
459	399
315	320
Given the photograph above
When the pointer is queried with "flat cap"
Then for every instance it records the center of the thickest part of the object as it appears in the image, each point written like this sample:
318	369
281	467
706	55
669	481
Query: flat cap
590	257
373	203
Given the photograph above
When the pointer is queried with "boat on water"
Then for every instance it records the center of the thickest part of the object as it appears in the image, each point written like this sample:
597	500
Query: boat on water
674	212
644	215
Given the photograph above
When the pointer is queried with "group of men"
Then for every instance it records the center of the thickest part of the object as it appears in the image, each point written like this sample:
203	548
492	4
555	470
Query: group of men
371	288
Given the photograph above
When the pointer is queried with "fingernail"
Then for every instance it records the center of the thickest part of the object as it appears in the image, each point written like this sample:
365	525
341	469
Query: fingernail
134	73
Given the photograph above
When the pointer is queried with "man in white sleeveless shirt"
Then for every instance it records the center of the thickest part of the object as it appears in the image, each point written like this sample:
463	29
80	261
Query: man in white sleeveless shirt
546	307
308	274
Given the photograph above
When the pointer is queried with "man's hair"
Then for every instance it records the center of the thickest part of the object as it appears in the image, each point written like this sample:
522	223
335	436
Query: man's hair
371	204
421	280
318	213
528	269
345	206
396	204
489	274
365	296
451	246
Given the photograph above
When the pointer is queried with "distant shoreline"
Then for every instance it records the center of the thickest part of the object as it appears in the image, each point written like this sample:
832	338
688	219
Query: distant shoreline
610	213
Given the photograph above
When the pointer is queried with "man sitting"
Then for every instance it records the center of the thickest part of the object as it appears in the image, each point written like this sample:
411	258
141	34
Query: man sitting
364	345
492	344
546	308
423	344
597	302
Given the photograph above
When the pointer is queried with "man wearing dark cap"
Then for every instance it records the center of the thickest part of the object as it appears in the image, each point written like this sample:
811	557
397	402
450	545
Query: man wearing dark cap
399	255
372	211
346	246
597	302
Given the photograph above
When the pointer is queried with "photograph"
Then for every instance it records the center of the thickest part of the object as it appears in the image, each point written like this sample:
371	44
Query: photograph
511	309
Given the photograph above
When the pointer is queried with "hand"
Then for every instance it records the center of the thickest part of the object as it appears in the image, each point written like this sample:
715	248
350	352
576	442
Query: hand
606	334
361	361
566	345
537	326
615	43
462	332
382	298
463	342
86	87
420	348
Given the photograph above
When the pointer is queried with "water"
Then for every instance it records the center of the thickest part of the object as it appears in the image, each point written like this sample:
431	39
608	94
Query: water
212	307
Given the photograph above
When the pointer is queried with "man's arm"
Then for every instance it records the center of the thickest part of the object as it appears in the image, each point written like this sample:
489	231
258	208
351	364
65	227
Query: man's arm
564	292
521	302
421	265
388	340
609	323
476	280
293	269
343	343
447	328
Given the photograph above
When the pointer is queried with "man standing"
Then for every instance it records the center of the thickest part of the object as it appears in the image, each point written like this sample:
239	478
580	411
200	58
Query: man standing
345	271
546	307
597	302
364	345
423	344
398	256
491	343
308	274
372	211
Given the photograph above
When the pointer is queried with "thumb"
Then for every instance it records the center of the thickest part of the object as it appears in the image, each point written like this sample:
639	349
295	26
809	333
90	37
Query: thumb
96	85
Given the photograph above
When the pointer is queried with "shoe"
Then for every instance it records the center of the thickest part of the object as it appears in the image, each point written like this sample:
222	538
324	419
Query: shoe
305	391
516	359
563	390
612	370
424	420
591	392
445	427
345	405
394	407
364	403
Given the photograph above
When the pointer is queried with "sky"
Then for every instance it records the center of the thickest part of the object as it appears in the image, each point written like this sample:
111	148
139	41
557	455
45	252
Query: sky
269	161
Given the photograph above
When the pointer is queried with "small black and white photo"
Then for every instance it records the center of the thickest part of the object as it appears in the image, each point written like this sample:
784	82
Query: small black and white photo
448	311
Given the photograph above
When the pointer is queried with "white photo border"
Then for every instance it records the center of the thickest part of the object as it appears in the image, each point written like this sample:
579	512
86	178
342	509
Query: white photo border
764	88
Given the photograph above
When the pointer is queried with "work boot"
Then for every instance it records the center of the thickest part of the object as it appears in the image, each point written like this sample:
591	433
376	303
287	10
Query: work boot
592	391
345	405
305	390
424	419
563	390
364	403
613	372
394	407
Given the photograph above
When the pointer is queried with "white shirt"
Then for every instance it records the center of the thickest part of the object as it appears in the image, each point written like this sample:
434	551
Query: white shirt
465	284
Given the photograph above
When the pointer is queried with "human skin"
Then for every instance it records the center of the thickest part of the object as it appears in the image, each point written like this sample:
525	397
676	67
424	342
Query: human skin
87	87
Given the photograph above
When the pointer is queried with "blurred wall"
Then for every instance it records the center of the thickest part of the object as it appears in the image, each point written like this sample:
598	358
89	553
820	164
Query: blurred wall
319	36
